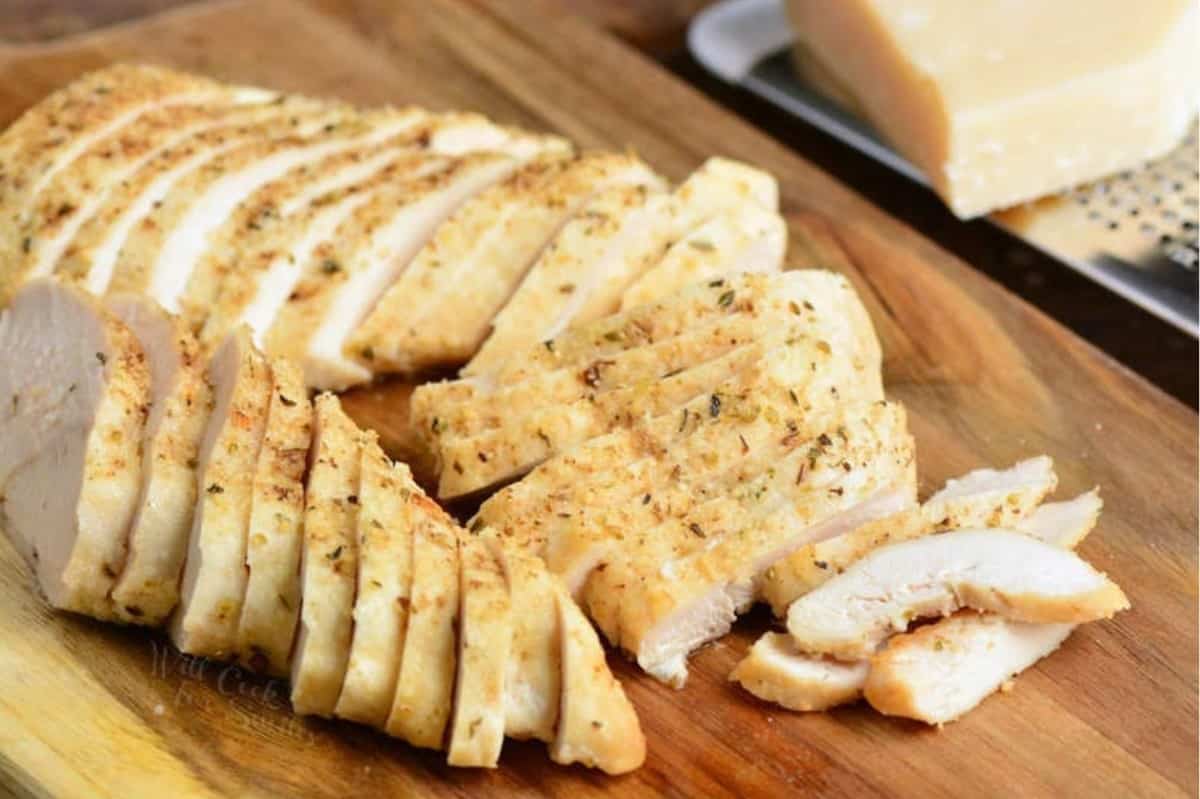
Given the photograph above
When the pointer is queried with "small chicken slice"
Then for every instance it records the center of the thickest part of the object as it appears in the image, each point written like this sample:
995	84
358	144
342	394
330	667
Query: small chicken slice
982	498
90	259
159	255
75	390
80	189
472	463
597	724
583	272
387	502
148	589
1001	571
214	571
669	606
477	259
280	213
746	238
533	675
276	528
328	561
368	253
485	641
620	481
51	135
425	686
942	670
774	670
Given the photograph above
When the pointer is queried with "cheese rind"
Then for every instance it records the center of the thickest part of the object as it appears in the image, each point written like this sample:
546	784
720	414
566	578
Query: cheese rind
1000	103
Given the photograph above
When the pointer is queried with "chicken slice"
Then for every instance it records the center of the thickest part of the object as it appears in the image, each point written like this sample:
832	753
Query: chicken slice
745	238
147	590
51	135
368	252
276	528
982	498
485	640
75	390
90	259
1001	571
159	255
425	686
942	670
477	259
328	561
277	216
583	272
776	671
80	189
682	584
214	571
597	724
533	675
387	502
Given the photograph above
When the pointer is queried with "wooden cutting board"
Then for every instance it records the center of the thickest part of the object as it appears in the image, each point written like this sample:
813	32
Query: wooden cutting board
93	710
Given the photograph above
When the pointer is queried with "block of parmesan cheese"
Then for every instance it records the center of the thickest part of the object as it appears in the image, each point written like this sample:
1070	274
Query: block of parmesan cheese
1002	102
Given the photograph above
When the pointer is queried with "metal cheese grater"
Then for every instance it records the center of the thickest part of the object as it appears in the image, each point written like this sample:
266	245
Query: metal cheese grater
1135	233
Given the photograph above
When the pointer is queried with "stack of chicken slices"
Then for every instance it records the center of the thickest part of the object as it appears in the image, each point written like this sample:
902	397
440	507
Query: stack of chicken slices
662	426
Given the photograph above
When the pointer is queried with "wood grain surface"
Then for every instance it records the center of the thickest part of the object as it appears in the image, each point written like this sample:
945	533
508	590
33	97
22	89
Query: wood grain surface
94	710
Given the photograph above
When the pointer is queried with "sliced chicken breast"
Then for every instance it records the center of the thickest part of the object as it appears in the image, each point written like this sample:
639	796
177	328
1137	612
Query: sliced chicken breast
943	670
484	640
660	469
276	528
683	584
776	671
477	259
425	686
148	589
1001	571
268	272
387	502
815	297
80	188
49	137
296	189
281	213
90	258
745	238
328	560
982	498
597	725
582	274
476	462
159	255
370	250
214	572
533	674
75	390
440	411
